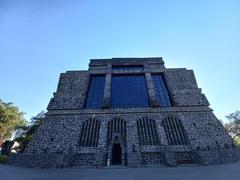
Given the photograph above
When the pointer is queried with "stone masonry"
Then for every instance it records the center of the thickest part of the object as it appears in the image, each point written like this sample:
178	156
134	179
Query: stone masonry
187	132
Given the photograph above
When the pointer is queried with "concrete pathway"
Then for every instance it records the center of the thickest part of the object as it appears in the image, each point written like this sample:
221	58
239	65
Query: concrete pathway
217	172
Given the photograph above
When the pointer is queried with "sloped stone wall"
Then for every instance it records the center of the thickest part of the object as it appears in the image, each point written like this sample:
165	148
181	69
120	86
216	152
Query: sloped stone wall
64	139
71	92
56	142
183	88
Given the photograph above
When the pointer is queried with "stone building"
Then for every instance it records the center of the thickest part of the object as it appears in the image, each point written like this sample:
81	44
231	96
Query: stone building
130	112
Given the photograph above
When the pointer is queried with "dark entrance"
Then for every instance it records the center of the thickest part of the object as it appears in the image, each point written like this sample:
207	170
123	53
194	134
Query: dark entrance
116	154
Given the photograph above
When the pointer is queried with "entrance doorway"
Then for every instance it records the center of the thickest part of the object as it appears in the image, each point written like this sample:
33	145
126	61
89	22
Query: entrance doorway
116	154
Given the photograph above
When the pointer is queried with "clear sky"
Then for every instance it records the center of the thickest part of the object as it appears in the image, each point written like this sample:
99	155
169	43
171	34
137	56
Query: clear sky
39	39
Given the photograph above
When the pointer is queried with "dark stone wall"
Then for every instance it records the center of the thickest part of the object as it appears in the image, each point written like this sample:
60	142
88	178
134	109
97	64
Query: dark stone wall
57	138
63	139
183	88
71	91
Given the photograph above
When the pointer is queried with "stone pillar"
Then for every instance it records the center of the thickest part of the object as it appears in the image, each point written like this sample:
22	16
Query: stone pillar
152	96
101	153
133	156
107	88
107	91
129	141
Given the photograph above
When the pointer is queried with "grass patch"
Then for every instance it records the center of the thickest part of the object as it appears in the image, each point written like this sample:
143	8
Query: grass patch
3	159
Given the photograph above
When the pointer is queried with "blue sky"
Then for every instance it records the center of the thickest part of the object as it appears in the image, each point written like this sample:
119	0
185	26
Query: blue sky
39	39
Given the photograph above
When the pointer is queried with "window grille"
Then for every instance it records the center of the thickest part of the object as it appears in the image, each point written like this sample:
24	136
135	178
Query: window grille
175	131
89	133
116	126
147	132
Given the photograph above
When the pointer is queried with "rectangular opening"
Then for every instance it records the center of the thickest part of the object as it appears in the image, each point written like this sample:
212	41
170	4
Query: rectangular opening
127	67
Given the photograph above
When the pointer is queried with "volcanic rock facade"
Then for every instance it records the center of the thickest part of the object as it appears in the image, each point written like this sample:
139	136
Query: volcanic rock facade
128	111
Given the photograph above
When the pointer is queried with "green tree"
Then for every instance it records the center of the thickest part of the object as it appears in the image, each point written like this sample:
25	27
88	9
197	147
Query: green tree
233	126
24	133
10	118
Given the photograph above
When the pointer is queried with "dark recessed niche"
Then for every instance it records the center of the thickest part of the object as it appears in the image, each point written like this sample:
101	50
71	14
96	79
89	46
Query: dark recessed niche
126	67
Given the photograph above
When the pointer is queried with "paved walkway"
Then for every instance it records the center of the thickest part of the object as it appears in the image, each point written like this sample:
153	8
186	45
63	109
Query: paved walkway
218	172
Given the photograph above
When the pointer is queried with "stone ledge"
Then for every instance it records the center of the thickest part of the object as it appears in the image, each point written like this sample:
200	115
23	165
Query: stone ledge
131	110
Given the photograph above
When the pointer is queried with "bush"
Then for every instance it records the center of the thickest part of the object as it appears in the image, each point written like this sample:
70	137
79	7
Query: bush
3	159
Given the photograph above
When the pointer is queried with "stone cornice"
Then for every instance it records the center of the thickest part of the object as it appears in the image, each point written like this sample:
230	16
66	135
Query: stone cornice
130	110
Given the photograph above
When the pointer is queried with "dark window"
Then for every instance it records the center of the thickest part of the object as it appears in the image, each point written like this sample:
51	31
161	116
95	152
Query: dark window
175	131
147	132
133	67
96	92
129	92
89	133
161	90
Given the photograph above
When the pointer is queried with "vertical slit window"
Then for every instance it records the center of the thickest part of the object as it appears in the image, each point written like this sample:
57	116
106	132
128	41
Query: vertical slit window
89	133
147	132
175	131
116	126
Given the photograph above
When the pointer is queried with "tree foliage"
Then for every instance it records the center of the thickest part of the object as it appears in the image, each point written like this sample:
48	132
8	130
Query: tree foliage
24	133
233	126
10	118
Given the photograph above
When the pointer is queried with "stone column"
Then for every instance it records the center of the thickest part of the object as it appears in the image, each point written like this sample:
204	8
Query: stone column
101	152
152	96
107	88
133	156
